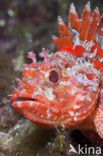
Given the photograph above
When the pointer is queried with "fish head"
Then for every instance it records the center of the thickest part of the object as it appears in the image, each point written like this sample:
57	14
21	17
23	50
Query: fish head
60	90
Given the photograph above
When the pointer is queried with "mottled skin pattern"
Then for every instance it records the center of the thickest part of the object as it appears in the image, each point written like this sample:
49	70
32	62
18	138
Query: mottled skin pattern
67	87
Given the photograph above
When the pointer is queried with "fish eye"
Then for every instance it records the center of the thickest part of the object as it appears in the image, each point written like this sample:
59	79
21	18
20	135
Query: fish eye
53	76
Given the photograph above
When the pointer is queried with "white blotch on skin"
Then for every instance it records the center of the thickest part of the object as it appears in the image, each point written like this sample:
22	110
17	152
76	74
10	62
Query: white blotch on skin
71	113
19	104
75	118
32	81
61	100
73	90
42	116
101	91
31	103
55	117
89	99
48	114
39	91
49	93
76	106
63	83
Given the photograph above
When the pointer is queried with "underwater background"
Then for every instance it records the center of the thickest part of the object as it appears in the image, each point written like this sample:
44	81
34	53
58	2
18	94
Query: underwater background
27	25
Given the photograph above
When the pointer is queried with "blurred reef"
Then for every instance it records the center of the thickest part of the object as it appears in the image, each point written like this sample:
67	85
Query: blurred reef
27	25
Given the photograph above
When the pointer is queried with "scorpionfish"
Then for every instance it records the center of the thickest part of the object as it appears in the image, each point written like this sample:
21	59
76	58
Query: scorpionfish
66	88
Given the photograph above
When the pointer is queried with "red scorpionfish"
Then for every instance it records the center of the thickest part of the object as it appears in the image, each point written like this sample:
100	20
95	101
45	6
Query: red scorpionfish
67	87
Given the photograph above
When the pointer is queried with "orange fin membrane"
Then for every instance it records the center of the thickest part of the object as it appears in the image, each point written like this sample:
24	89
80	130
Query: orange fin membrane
61	42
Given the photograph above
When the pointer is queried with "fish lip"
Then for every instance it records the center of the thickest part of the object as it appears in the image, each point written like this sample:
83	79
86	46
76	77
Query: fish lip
19	102
22	99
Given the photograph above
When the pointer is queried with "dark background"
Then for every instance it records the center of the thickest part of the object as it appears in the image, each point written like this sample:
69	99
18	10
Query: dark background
27	25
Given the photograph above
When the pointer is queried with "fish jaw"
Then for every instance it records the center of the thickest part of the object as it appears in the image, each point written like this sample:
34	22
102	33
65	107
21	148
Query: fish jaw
29	110
37	109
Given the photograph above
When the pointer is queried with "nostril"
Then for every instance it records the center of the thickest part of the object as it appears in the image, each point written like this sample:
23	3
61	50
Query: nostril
53	76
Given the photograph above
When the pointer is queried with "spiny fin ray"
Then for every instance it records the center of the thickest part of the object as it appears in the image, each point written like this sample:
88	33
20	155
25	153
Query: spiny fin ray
73	18
86	22
63	31
93	27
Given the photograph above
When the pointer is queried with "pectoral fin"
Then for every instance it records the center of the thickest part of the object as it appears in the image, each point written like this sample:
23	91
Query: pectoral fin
98	121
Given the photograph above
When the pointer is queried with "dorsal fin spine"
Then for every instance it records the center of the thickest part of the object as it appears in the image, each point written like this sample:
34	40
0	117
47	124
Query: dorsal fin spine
89	28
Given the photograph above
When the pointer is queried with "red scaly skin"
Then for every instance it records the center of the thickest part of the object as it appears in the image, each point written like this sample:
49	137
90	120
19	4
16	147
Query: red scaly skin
67	87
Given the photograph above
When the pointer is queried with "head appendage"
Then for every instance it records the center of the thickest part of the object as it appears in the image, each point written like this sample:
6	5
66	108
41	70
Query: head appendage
32	56
44	54
18	80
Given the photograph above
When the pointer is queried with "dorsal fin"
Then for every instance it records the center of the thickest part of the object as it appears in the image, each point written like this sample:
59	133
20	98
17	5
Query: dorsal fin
85	22
88	30
88	27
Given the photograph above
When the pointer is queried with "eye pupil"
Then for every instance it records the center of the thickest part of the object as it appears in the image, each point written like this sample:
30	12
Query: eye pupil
53	76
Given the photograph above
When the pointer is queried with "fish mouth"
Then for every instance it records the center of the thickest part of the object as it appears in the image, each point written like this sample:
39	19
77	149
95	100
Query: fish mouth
24	99
24	102
34	110
37	110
